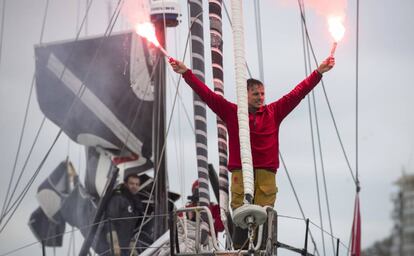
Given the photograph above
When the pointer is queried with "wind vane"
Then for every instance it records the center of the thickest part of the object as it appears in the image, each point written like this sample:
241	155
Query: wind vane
337	30
147	30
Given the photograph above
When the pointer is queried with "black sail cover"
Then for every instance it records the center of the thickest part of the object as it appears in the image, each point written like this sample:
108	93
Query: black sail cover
78	210
53	191
45	230
99	91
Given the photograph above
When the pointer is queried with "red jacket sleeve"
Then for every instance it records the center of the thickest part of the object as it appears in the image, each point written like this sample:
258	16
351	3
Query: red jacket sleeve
215	212
288	102
216	102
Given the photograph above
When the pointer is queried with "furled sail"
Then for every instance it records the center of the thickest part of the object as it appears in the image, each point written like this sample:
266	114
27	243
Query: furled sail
99	91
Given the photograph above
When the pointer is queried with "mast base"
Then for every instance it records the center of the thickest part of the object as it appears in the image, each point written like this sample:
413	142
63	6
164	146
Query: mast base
248	214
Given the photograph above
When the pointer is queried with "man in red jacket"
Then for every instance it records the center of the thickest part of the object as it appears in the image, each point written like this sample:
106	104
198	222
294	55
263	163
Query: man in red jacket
264	122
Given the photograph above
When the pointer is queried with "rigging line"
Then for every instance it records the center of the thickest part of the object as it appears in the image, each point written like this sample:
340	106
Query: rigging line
327	101
34	75
319	141
3	14
313	223
297	200
184	107
168	127
356	96
74	241
322	163
259	38
308	59
44	117
20	248
330	234
358	188
176	133
86	21
73	230
79	94
25	116
77	15
323	168
231	24
307	71
26	189
123	148
8	209
180	140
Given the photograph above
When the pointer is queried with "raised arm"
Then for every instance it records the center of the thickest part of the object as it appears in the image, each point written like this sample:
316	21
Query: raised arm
216	102
288	102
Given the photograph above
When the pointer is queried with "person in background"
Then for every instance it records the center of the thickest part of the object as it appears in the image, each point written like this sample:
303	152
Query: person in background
214	208
123	209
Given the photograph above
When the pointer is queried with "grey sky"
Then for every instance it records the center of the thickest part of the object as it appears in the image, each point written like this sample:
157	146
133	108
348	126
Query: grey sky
386	141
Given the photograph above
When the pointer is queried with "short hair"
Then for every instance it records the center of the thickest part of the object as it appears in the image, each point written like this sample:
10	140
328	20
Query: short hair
132	175
252	82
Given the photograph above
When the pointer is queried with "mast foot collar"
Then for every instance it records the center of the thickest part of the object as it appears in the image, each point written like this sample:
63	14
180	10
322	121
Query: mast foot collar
249	214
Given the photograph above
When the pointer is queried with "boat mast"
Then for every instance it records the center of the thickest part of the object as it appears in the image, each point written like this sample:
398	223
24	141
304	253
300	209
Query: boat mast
160	197
163	14
216	42
197	60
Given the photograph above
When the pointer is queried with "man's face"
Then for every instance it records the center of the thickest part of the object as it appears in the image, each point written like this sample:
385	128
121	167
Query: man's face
133	185
255	96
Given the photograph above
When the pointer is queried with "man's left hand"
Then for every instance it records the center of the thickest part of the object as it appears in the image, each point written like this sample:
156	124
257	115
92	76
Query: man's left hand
326	65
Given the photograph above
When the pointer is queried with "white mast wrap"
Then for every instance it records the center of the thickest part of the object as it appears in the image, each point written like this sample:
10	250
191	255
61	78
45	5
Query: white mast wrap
242	106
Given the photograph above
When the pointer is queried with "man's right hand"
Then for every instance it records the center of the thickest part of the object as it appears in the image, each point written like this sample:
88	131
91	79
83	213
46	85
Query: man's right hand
117	248
178	66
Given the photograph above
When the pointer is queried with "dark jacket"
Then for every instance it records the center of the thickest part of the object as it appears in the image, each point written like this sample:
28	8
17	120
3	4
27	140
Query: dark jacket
126	206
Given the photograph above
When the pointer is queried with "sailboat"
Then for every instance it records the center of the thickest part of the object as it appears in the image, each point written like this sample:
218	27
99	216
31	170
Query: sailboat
116	142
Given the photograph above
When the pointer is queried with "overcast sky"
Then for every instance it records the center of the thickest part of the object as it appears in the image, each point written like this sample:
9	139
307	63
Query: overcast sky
386	123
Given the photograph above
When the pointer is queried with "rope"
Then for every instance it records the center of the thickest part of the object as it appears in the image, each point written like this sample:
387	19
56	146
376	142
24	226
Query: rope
314	224
323	168
6	202
259	38
44	118
326	97
3	14
319	141
166	134
297	199
307	71
26	189
79	94
242	105
356	96
231	24
181	169
187	116
7	209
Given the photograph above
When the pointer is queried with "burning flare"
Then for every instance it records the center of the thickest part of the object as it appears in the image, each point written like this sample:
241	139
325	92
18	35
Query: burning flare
147	30
336	27
337	30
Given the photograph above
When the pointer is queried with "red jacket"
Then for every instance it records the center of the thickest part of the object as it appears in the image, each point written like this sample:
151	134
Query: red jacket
264	124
